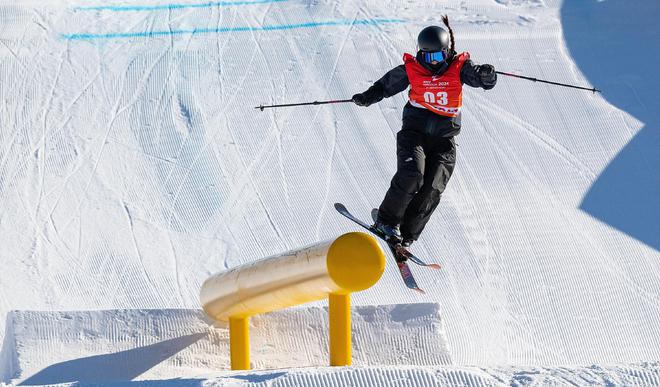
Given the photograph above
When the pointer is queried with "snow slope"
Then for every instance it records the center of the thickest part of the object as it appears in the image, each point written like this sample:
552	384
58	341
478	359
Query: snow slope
133	164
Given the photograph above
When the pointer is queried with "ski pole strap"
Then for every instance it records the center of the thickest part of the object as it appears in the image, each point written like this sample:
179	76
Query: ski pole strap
262	107
593	89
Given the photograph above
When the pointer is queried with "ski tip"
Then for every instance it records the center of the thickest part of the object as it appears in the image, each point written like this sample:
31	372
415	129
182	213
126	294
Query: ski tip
339	206
434	266
420	290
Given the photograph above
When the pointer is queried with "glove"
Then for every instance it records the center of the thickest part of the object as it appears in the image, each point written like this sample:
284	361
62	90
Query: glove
360	99
488	76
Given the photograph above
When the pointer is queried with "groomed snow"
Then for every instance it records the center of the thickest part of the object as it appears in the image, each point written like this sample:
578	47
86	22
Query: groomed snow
133	165
97	346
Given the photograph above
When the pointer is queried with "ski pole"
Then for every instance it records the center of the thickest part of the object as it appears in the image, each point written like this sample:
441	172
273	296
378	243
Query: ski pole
262	107
593	89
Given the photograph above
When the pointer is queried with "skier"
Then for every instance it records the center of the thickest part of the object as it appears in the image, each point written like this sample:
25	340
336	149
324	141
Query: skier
426	151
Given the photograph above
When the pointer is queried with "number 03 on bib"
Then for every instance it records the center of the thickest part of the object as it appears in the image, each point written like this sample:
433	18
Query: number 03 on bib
441	94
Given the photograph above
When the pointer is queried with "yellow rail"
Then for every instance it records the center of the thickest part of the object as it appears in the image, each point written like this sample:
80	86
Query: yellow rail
334	269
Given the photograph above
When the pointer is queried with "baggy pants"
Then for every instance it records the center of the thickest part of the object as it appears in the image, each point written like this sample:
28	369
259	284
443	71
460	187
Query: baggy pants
424	165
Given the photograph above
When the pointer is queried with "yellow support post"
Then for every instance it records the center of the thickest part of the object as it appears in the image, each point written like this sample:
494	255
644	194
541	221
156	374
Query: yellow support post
239	343
340	329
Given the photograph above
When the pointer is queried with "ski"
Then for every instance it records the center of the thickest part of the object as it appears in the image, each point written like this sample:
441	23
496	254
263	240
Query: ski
404	269
405	252
401	264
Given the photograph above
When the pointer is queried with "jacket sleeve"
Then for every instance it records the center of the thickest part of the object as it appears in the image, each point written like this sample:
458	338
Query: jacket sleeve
393	82
483	76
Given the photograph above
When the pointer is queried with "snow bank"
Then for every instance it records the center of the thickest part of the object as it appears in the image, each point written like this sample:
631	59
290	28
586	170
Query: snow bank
123	345
643	374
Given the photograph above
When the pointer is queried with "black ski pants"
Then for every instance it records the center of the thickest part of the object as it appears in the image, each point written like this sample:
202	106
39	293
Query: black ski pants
424	165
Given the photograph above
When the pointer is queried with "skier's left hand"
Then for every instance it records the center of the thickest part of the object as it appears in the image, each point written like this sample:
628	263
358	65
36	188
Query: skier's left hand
488	76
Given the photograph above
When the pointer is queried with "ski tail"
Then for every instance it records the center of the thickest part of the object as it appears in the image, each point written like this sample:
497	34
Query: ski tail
405	272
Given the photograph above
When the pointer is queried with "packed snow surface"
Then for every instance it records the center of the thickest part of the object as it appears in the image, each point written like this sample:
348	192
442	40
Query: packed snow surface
133	165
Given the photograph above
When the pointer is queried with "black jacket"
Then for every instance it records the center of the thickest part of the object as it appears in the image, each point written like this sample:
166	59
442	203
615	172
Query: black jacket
423	120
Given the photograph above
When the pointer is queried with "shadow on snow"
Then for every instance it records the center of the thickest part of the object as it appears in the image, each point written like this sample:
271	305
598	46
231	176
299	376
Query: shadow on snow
616	46
113	367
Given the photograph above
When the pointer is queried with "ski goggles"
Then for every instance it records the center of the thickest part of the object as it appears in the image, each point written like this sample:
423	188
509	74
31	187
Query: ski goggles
437	56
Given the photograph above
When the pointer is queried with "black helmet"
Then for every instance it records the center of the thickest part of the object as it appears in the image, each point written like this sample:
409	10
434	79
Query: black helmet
432	39
434	52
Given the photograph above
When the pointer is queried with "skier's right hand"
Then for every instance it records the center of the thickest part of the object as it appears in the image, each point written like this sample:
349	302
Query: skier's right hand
360	99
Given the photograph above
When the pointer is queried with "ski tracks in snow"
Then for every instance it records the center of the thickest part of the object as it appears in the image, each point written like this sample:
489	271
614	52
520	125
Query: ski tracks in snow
325	203
536	133
278	134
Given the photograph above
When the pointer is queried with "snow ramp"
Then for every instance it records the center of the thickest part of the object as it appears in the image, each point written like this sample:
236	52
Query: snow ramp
150	347
124	345
181	347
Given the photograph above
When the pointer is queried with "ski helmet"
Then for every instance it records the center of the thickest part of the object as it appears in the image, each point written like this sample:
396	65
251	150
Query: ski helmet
433	39
433	54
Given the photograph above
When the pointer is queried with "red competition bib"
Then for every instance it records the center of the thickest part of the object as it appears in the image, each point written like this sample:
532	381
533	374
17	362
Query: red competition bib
442	94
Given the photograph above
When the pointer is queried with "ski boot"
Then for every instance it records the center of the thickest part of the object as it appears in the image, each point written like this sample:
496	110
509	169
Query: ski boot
391	233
